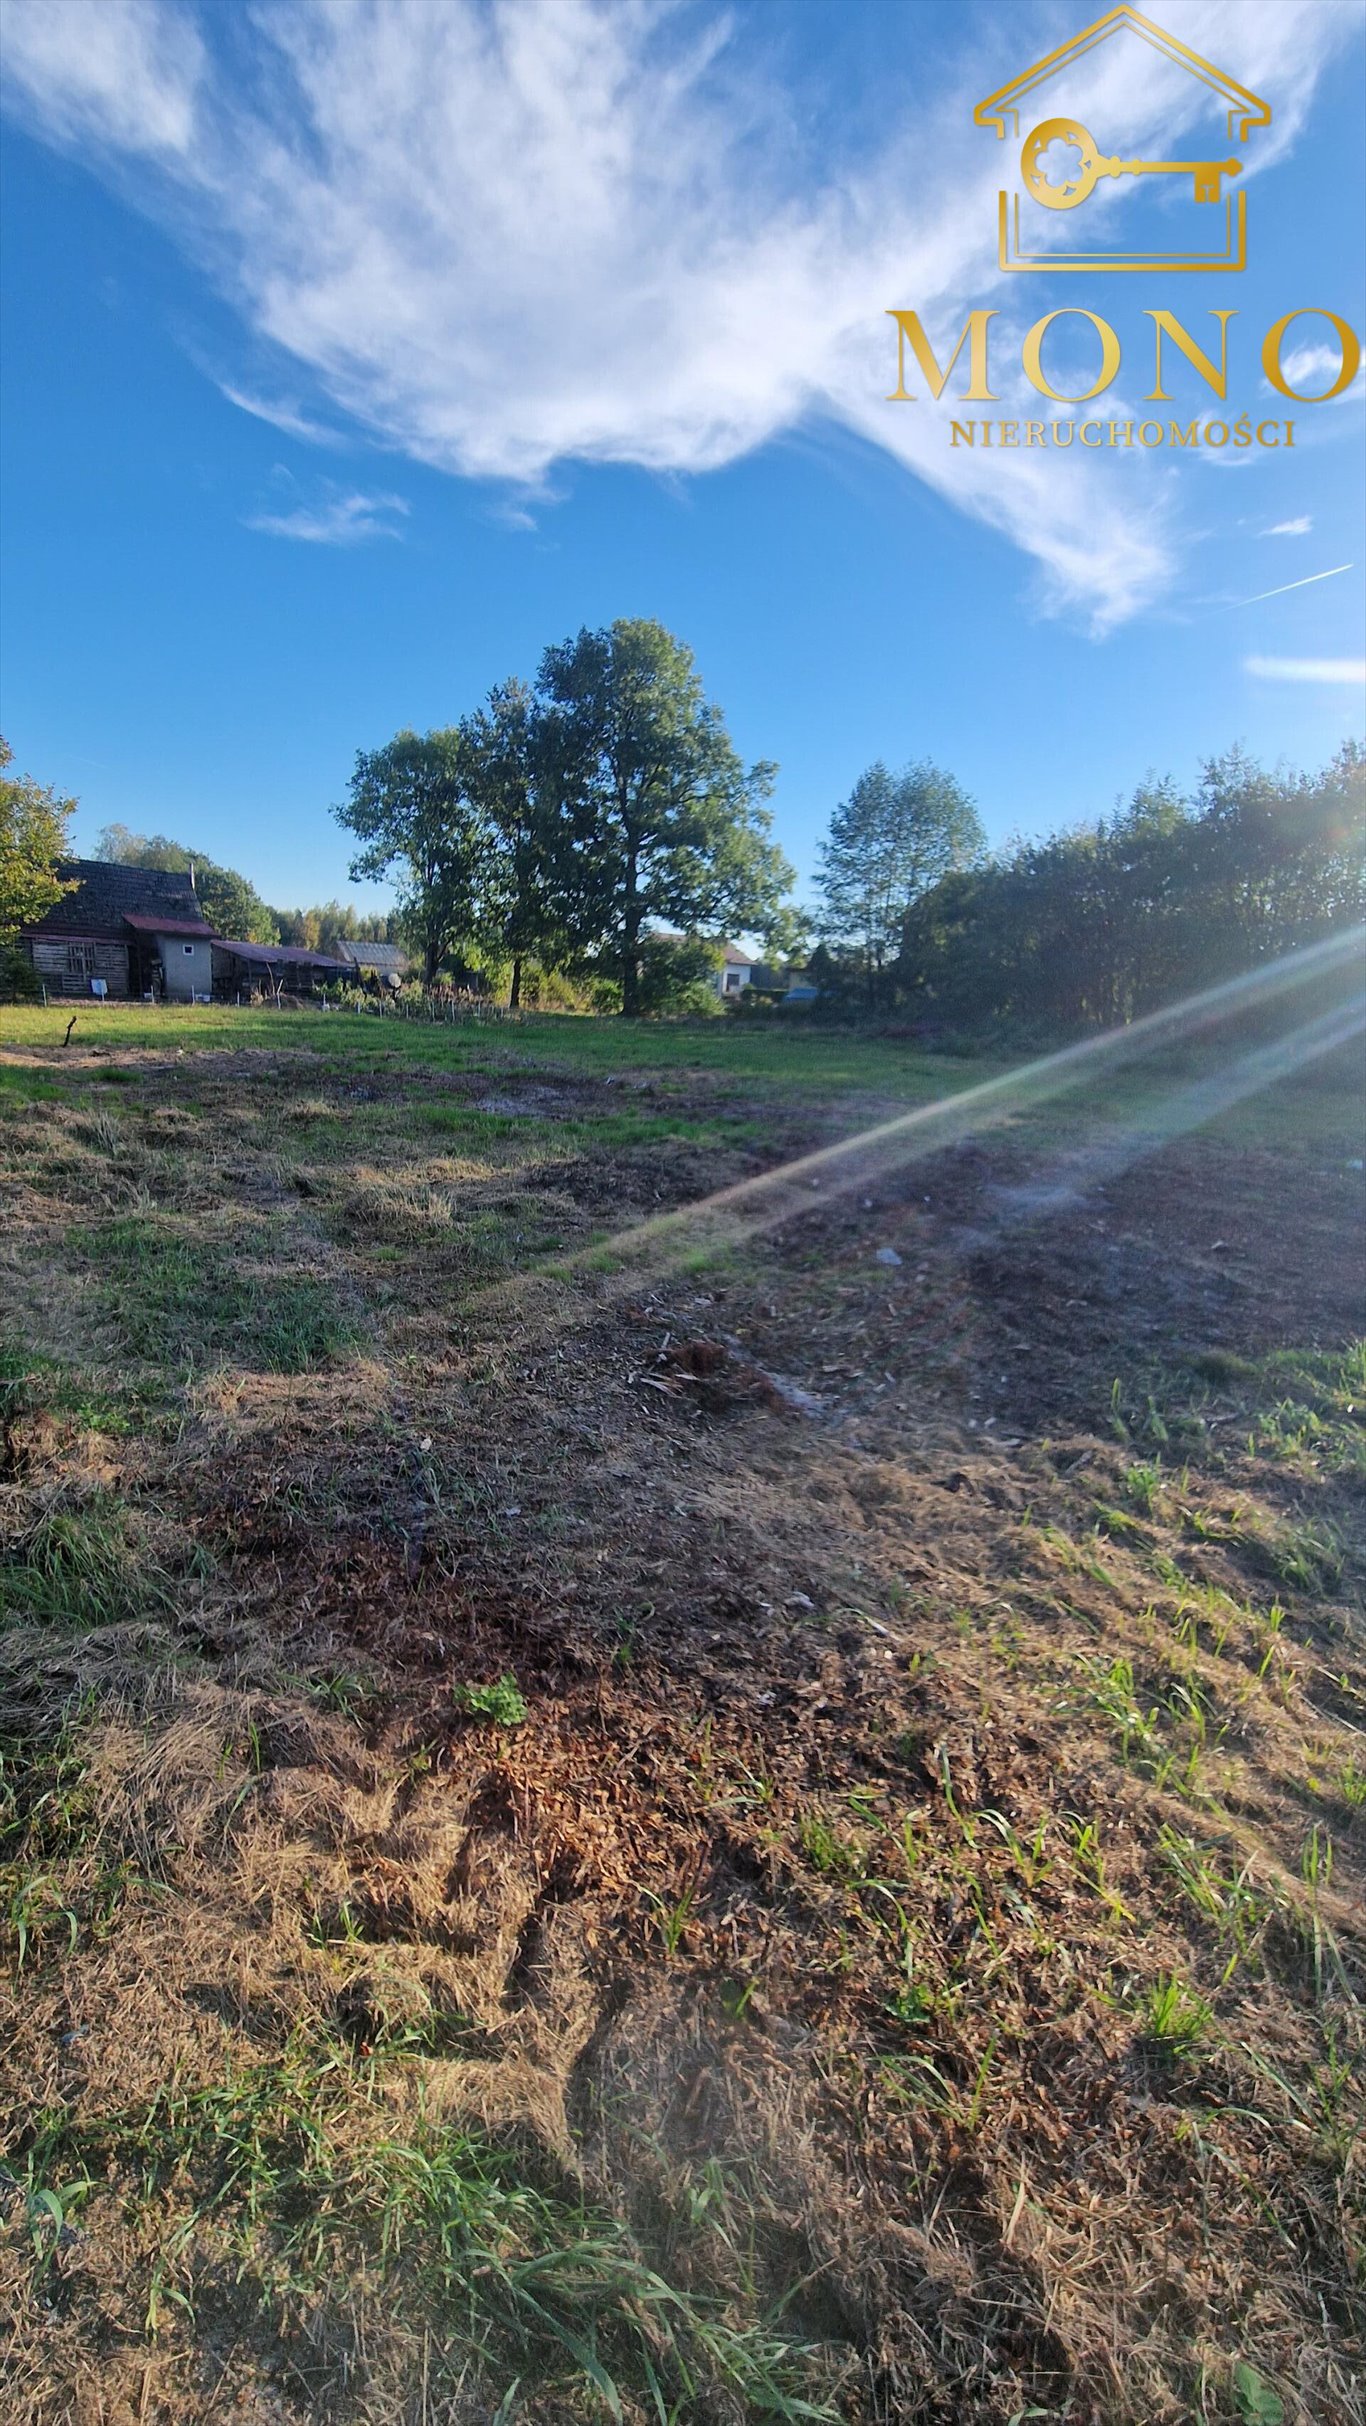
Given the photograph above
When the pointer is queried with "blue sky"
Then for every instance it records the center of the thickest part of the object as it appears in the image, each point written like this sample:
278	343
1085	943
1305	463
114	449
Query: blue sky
353	353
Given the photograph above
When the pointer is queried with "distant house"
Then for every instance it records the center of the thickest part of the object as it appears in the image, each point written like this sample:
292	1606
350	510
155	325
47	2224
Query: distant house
123	932
384	963
243	968
736	970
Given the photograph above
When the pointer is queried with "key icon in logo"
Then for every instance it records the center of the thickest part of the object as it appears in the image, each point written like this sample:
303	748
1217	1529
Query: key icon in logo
1072	188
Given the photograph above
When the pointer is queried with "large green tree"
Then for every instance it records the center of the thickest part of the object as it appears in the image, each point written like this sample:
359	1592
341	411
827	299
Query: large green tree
228	900
411	809
668	824
33	838
889	842
515	772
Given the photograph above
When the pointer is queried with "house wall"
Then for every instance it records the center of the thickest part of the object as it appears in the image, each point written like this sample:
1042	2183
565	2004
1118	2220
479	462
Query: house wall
66	964
188	966
732	978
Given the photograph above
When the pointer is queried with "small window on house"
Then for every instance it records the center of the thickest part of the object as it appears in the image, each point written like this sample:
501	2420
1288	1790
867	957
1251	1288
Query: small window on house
80	959
188	949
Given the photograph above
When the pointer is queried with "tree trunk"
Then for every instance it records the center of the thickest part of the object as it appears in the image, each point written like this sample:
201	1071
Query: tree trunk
515	994
630	946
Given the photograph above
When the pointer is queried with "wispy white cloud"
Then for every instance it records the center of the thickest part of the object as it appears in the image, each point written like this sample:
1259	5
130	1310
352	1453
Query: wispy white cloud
121	73
511	515
336	518
281	415
503	236
1307	669
1289	530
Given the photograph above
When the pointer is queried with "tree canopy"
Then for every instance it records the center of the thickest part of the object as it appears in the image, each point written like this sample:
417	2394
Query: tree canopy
562	823
667	822
228	900
34	819
410	807
513	763
1097	926
329	923
889	842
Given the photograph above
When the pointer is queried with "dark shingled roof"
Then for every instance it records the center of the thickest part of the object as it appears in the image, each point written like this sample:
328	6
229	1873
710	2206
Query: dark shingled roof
390	958
279	955
107	892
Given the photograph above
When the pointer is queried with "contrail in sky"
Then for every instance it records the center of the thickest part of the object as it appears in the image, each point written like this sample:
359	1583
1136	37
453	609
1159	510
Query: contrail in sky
1293	585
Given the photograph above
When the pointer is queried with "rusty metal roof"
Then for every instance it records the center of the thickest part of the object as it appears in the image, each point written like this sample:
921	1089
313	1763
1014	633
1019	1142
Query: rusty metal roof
148	923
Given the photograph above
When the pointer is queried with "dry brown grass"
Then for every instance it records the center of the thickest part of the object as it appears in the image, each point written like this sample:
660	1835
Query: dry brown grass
918	1920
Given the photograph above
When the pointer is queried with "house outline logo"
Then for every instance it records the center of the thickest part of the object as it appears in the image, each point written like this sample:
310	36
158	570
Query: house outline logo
1001	111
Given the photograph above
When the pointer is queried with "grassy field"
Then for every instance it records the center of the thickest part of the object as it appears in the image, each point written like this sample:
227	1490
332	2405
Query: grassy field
656	1767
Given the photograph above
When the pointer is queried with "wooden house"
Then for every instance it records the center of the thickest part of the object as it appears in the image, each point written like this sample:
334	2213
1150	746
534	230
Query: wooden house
124	933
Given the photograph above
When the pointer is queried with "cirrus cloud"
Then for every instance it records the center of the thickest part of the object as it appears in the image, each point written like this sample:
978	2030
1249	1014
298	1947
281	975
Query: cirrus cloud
335	517
502	235
1348	670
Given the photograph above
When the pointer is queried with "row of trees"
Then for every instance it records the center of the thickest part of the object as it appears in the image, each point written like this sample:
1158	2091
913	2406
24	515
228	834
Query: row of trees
564	828
564	822
1092	927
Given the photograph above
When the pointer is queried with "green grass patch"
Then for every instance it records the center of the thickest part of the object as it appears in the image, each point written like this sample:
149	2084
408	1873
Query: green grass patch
1304	1408
31	1385
790	1059
1177	2021
293	1325
89	1563
582	1133
45	1808
25	1086
179	1297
